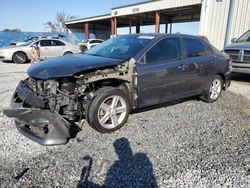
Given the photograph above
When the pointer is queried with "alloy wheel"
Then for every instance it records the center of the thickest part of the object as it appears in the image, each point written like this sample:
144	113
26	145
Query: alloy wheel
112	112
215	89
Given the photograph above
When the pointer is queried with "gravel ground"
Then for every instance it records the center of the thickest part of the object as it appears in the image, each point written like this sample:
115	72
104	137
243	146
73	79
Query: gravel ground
241	84
184	144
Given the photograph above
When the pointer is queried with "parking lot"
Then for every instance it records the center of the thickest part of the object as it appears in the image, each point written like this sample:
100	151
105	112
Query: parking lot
186	143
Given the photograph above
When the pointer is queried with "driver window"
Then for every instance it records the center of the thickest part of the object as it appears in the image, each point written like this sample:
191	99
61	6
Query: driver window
45	43
168	49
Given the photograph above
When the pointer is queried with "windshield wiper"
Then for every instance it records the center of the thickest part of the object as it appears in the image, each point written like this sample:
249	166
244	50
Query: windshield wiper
93	54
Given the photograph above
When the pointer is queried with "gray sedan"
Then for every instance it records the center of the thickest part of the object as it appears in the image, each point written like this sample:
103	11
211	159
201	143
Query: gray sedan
49	48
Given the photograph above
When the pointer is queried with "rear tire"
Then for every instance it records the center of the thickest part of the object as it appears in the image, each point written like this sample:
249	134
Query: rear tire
213	90
19	58
109	110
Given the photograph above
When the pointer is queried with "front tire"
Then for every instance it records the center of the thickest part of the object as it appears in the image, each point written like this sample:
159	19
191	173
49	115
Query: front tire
19	58
109	110
213	90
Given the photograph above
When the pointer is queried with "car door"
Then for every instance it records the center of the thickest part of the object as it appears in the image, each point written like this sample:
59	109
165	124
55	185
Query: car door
162	73
57	48
200	60
44	48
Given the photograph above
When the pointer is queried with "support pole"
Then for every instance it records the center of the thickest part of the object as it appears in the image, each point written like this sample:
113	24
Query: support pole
137	26
115	25
86	28
112	27
94	30
170	27
166	28
157	22
229	22
130	24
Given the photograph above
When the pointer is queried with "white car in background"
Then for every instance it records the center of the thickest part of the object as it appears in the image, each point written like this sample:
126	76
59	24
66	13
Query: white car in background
48	48
90	43
34	38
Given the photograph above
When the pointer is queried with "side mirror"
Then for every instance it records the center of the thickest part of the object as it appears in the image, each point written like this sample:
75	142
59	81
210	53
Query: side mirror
233	40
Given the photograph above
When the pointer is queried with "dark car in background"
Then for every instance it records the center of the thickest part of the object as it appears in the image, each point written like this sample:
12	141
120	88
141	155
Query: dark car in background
113	78
239	52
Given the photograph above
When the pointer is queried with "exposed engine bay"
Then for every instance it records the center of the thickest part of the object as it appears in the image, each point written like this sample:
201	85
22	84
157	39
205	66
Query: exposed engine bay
69	96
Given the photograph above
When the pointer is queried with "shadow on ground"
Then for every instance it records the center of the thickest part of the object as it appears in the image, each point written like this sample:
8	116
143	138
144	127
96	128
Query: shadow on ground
241	77
128	171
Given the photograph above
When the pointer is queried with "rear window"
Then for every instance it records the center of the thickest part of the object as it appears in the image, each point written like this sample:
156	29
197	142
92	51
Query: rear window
95	41
57	43
196	48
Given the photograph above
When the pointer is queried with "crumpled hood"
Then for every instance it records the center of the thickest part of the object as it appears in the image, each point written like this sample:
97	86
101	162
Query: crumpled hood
69	65
238	46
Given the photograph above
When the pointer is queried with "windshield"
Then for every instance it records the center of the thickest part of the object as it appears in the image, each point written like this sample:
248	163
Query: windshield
121	47
27	43
244	38
27	40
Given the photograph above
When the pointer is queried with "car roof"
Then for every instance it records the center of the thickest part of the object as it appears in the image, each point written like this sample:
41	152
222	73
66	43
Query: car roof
52	39
64	41
159	35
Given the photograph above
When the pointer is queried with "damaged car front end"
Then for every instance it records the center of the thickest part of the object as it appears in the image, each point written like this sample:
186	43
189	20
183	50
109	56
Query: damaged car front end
46	109
40	111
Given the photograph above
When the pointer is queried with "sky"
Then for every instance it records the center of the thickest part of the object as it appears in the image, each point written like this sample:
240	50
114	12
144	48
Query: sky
30	15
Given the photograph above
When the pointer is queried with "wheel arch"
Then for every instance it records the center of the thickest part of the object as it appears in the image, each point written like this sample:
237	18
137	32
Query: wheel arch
21	51
123	85
223	77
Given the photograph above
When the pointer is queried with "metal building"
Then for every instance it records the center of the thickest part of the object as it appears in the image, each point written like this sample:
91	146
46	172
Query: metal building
220	20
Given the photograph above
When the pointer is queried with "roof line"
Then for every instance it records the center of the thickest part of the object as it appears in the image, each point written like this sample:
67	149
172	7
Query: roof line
143	2
78	19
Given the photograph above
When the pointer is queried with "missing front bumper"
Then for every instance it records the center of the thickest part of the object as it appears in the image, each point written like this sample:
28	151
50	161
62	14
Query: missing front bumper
45	127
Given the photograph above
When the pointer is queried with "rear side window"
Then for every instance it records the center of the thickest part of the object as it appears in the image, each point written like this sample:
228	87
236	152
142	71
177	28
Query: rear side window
168	49
195	47
214	49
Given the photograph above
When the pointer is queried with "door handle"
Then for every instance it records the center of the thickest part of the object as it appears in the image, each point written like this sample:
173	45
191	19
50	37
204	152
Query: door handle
183	67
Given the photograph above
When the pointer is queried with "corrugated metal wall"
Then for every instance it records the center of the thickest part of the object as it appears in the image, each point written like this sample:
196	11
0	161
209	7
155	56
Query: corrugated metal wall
152	6
214	20
241	18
